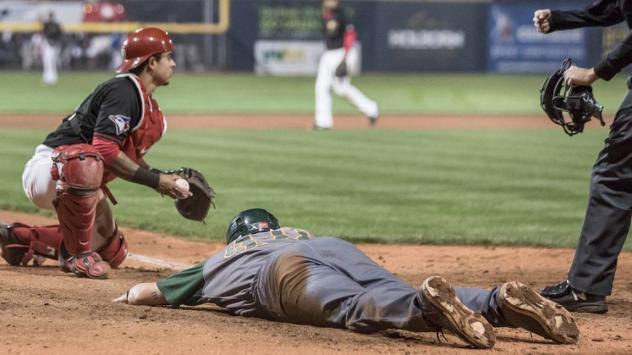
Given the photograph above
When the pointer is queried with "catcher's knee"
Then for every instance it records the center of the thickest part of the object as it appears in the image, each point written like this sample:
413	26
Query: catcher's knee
78	168
115	250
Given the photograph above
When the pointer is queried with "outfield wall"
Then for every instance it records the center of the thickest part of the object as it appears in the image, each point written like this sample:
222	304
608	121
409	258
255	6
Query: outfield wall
283	37
428	36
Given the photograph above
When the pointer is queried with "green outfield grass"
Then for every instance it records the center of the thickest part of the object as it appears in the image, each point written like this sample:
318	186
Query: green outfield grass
436	186
245	93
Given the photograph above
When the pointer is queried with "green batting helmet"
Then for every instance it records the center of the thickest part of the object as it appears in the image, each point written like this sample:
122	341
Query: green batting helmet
254	220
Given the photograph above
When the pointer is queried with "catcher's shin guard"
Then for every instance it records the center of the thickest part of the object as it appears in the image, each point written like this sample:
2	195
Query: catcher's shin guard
79	170
115	251
21	243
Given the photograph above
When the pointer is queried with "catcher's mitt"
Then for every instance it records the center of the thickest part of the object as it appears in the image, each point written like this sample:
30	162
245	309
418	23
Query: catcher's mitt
196	206
578	101
341	69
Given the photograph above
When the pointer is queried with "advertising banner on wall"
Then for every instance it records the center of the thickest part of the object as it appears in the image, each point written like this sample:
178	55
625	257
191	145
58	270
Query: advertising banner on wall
280	37
516	47
429	36
290	57
287	57
65	12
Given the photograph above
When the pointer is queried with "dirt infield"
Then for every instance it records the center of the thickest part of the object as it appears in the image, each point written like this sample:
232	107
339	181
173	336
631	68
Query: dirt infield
50	121
45	311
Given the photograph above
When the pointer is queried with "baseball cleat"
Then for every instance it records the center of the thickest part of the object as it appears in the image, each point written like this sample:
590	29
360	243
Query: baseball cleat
88	265
523	308
319	128
11	249
447	312
373	120
573	300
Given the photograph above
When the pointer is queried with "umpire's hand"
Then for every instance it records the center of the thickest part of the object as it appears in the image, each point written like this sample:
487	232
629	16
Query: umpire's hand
542	20
580	76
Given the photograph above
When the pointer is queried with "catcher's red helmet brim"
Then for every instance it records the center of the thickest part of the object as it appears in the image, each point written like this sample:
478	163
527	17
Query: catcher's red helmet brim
129	64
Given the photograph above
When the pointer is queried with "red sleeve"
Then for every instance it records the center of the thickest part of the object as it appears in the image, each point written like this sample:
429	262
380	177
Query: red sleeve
350	38
108	148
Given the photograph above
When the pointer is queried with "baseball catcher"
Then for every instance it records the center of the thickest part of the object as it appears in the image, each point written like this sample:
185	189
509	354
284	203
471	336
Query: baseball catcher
288	275
607	219
557	98
105	138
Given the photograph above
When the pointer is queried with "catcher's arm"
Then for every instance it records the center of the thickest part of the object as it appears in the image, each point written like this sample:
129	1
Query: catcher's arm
122	166
143	294
125	168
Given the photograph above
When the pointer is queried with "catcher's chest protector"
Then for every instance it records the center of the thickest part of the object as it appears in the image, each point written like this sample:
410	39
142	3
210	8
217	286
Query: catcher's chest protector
148	132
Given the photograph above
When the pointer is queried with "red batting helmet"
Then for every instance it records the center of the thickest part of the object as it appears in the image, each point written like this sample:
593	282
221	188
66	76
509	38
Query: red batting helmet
142	44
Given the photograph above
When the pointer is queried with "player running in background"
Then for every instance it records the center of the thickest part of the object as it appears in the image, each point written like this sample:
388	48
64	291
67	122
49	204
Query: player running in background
286	274
607	221
336	64
106	137
51	49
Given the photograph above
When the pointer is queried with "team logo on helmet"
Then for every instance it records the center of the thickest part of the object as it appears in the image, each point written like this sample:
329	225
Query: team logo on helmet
263	225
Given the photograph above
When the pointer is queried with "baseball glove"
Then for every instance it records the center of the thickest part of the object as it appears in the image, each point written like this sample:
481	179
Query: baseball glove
196	206
341	69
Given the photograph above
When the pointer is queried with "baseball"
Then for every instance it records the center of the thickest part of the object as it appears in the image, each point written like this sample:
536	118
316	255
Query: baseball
183	186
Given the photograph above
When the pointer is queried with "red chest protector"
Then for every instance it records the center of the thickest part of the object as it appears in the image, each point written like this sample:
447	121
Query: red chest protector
148	131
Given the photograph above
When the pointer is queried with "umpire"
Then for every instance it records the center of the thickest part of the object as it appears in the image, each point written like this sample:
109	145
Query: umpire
609	211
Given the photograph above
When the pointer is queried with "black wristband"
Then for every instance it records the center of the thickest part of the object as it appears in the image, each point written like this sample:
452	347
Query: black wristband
146	177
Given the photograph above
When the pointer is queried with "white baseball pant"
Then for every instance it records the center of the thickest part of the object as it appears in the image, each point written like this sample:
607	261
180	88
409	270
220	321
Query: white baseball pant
327	80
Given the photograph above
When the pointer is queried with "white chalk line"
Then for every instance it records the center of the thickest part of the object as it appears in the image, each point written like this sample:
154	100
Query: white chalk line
167	264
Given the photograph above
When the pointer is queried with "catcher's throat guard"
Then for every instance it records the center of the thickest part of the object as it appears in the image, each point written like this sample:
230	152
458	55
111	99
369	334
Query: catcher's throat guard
577	102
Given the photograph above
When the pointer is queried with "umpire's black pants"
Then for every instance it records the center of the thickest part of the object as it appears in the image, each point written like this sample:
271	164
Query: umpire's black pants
608	215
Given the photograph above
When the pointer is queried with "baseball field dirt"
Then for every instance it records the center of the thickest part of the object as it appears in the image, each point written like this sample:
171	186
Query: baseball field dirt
46	311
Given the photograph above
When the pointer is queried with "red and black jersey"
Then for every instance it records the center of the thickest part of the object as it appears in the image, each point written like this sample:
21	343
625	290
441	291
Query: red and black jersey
113	109
335	24
52	31
119	111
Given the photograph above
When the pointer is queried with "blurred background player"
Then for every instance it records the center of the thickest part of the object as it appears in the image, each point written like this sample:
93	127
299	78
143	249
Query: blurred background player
106	137
609	211
335	67
51	49
286	274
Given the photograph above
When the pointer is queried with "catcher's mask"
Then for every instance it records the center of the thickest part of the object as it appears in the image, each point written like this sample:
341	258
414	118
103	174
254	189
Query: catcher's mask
577	101
250	221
